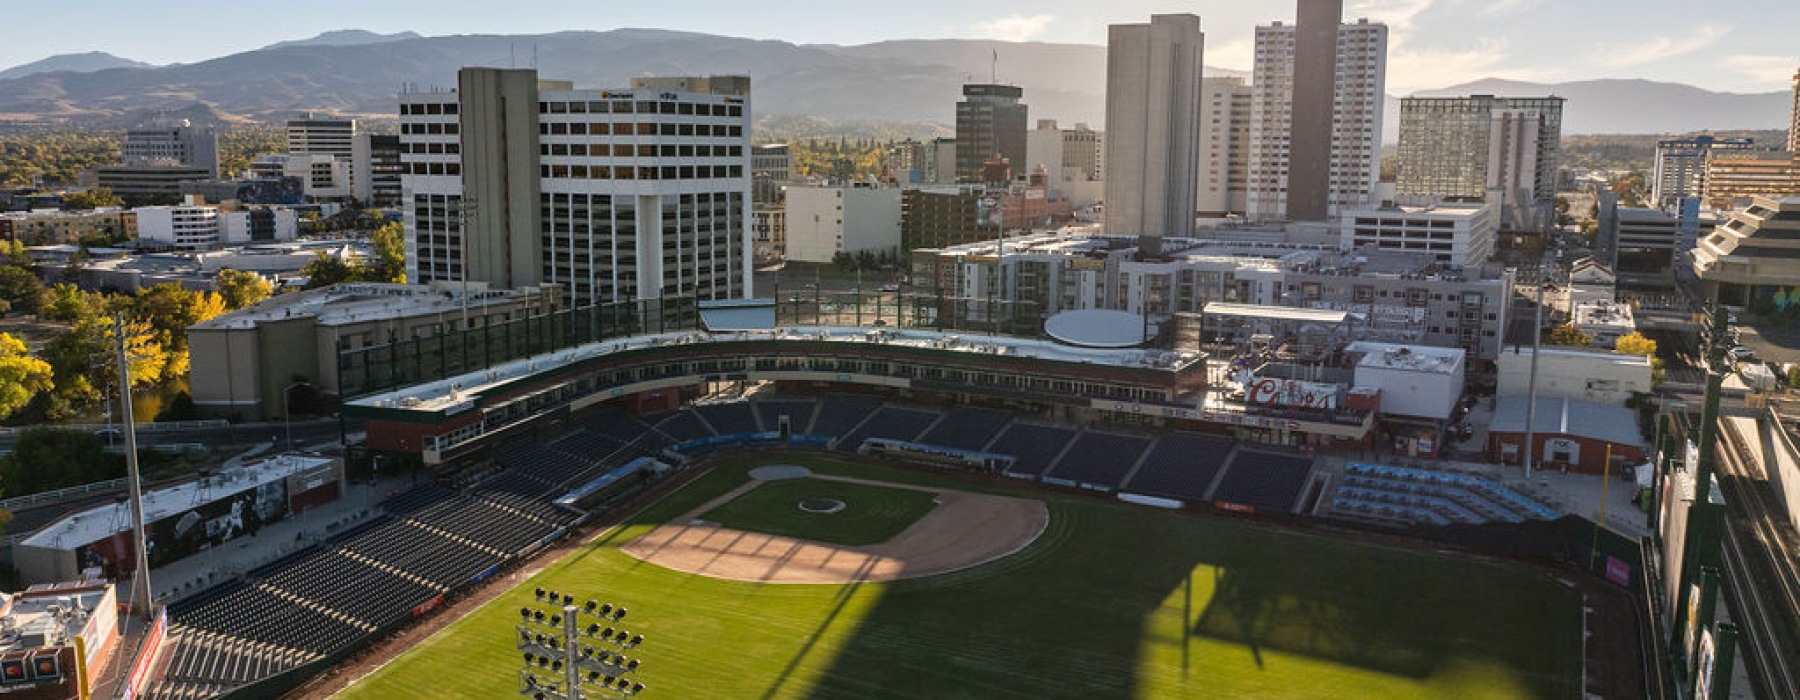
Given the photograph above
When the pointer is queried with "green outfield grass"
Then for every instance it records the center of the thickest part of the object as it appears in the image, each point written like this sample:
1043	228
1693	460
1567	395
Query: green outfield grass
1113	601
872	514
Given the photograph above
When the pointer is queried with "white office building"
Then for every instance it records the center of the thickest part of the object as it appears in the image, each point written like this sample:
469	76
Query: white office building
618	194
323	176
259	225
1352	159
190	226
164	141
1153	74
1456	233
824	221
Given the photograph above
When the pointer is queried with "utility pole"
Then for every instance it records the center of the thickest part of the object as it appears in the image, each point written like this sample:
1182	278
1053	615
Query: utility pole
140	585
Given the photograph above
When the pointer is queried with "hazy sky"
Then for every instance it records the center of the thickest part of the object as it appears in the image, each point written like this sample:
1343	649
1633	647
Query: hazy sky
1735	45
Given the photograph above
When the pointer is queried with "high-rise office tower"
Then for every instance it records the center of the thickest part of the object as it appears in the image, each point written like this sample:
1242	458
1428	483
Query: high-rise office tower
1224	147
1481	146
1680	169
313	134
619	194
1319	89
989	120
375	170
166	141
1153	76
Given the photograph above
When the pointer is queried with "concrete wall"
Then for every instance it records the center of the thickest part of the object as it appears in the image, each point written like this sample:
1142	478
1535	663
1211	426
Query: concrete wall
1583	376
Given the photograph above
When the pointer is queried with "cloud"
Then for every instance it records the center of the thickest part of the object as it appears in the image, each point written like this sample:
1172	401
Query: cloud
1503	8
1774	72
1423	69
1656	48
1397	14
1012	27
1237	54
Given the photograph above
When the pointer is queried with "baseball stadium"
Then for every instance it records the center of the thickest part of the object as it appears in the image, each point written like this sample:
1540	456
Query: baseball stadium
856	512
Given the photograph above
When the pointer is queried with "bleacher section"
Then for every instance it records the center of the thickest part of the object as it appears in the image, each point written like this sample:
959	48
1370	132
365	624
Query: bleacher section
841	414
799	413
1263	480
1098	460
729	418
1181	466
322	599
888	422
1035	447
966	429
682	426
1408	496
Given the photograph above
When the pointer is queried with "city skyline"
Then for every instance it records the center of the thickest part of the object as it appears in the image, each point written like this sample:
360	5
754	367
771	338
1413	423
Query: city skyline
1436	43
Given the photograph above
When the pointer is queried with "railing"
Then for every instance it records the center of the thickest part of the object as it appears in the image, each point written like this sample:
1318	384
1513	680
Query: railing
26	501
171	426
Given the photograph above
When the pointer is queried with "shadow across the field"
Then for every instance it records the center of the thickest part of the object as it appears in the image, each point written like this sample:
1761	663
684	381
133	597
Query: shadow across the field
1112	595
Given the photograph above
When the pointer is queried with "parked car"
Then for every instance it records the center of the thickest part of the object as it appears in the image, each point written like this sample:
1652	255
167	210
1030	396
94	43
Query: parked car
1742	354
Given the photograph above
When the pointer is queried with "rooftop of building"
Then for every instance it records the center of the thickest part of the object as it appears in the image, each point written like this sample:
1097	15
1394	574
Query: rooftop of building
1563	416
1408	358
447	393
364	301
1453	209
1603	313
1591	355
1368	261
63	213
98	522
48	615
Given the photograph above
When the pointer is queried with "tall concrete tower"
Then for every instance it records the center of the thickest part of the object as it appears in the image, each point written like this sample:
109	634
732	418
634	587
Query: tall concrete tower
1153	91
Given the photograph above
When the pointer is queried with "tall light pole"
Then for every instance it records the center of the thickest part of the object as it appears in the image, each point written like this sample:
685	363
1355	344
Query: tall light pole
140	587
566	659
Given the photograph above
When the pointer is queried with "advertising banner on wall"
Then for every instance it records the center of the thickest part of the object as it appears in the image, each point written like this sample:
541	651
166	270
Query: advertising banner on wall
190	531
1261	391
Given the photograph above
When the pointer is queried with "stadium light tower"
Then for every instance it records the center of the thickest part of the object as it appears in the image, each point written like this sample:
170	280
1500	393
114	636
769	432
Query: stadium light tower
572	652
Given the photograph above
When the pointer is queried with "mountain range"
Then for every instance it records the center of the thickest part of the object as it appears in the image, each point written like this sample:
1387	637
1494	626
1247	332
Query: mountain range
918	81
72	63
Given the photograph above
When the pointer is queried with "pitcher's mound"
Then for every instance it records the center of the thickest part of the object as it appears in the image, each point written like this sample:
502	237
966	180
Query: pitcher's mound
963	531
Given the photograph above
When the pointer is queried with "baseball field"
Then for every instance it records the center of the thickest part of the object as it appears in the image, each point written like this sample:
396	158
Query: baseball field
941	589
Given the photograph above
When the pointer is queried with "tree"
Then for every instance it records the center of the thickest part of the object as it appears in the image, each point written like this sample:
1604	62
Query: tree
1635	344
389	265
44	459
180	408
87	351
93	198
22	288
1568	334
327	269
240	289
22	377
67	302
